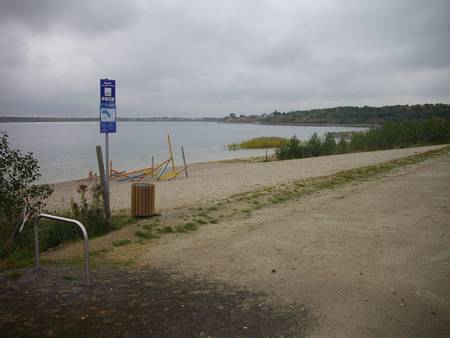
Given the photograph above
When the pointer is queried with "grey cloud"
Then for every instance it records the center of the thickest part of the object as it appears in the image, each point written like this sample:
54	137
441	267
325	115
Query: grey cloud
214	57
13	51
85	17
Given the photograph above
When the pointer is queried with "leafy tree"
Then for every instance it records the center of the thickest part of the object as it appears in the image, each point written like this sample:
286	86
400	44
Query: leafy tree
17	192
329	144
342	146
366	115
315	145
289	149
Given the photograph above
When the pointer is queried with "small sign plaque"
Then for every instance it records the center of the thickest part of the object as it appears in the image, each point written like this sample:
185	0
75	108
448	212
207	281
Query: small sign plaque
107	106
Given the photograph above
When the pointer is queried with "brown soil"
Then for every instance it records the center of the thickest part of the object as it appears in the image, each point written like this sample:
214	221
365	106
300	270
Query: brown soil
136	303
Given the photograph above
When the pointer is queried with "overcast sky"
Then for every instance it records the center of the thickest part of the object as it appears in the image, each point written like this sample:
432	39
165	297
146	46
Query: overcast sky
210	58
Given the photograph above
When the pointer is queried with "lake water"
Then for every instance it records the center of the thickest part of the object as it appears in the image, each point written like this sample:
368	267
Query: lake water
66	150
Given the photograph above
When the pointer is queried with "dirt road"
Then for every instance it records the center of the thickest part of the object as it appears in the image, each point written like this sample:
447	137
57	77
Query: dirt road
370	260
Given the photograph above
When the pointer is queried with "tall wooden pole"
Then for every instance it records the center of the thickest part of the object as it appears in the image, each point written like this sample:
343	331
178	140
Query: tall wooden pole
184	161
171	153
101	170
153	166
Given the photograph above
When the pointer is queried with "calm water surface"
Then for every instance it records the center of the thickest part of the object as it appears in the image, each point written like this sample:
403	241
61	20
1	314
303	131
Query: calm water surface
66	150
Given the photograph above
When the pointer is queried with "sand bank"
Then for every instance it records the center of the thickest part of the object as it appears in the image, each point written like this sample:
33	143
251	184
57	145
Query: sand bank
211	181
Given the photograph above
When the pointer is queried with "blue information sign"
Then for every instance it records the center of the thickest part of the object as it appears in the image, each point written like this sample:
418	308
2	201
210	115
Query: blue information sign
107	106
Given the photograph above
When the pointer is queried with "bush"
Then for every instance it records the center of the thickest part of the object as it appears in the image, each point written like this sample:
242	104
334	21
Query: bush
389	136
91	214
18	193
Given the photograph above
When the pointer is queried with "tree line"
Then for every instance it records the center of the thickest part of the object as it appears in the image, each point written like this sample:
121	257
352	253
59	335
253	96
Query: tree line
388	136
349	115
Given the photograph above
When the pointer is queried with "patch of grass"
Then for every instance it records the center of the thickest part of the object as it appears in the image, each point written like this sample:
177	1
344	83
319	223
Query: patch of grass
15	274
145	235
69	278
191	226
20	258
119	221
121	242
180	228
165	230
200	221
149	226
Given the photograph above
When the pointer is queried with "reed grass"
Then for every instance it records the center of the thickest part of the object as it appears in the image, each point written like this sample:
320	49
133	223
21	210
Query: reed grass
258	143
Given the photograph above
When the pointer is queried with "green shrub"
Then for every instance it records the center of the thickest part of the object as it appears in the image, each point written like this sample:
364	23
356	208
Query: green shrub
388	136
19	196
91	214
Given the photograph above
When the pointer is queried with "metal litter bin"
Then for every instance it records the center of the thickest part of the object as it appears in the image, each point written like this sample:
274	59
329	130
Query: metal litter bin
142	199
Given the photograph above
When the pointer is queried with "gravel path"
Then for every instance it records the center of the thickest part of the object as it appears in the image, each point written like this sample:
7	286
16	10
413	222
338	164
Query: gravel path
368	260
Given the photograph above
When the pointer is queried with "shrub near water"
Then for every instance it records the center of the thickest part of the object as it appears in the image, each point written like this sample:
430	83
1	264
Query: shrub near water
259	143
389	136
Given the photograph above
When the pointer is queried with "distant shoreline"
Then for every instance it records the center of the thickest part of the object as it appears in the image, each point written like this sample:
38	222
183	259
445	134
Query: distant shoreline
313	124
152	119
9	119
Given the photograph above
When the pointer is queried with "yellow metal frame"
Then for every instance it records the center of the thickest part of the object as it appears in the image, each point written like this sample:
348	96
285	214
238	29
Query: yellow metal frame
140	174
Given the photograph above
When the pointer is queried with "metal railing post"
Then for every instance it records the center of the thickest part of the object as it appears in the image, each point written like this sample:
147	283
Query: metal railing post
36	243
67	220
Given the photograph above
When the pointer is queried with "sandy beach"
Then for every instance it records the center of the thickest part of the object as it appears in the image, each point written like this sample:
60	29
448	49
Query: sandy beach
211	181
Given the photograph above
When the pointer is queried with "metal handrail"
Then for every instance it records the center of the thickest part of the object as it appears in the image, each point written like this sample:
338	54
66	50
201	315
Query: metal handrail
67	220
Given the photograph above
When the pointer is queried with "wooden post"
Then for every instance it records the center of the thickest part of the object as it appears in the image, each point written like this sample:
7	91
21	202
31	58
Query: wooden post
153	166
184	161
101	170
171	153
